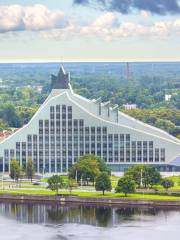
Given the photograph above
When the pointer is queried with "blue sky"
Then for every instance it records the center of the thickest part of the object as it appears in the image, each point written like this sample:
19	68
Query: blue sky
58	30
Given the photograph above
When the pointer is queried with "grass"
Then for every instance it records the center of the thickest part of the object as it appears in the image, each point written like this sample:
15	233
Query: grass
41	190
93	194
176	188
64	177
114	178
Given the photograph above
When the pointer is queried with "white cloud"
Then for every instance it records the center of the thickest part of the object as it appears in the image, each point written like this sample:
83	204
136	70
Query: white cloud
53	24
34	18
108	28
64	33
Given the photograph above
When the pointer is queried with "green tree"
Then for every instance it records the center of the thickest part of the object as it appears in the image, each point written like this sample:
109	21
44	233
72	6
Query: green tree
153	176
103	167
167	183
15	170
166	125
9	114
3	125
147	175
70	183
55	183
134	173
30	169
87	168
103	182
125	185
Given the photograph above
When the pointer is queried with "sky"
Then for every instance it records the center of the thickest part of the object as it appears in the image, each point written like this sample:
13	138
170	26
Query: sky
89	30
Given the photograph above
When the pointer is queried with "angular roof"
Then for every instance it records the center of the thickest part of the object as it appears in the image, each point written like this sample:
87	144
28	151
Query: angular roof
61	81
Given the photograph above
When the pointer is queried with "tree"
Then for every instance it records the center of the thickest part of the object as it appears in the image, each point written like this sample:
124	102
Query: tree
103	167
30	169
88	167
134	173
154	176
9	114
167	183
125	185
103	182
70	184
55	183
147	175
15	170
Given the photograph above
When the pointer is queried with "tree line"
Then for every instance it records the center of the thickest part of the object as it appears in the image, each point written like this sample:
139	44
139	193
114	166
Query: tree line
90	169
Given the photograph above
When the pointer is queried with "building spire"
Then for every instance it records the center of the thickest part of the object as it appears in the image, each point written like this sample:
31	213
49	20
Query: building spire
61	81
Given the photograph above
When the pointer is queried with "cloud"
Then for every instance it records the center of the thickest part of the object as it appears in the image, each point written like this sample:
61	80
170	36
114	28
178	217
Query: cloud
60	34
160	7
108	28
34	18
53	24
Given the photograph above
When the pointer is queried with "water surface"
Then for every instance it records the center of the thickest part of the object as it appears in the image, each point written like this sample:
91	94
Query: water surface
55	222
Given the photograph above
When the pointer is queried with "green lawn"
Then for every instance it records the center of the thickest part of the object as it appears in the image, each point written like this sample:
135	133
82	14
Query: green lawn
176	188
114	178
93	194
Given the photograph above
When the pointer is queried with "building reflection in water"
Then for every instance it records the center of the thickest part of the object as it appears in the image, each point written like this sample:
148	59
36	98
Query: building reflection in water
90	215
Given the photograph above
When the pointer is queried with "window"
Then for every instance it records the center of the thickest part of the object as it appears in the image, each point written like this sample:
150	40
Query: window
150	151
40	123
52	109
75	123
121	137
162	154
127	148
144	151
57	108
156	154
139	151
81	122
127	137
121	147
133	151
92	130
104	130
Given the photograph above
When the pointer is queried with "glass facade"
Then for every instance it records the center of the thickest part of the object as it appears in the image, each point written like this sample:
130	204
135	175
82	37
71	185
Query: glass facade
61	140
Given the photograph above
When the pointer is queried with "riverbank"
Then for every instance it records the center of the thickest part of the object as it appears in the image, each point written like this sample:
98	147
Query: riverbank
75	199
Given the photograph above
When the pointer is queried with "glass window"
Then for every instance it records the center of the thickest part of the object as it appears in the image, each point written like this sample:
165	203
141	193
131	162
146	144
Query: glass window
150	151
162	154
156	154
133	151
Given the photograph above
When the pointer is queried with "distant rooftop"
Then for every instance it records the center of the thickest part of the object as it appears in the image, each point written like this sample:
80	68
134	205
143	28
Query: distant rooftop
6	133
61	81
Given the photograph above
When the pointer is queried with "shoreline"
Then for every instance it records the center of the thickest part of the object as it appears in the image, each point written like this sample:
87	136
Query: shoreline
100	201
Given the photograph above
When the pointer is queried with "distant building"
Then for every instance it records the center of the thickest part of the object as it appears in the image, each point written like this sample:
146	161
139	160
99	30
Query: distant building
128	106
168	97
2	86
6	133
39	89
68	126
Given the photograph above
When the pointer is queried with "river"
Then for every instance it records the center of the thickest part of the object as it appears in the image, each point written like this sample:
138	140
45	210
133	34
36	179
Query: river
56	222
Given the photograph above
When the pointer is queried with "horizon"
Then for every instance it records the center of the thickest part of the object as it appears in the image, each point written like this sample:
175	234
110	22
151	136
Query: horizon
95	61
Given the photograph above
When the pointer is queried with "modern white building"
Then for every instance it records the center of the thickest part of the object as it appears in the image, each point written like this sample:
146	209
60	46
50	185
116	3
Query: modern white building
68	126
